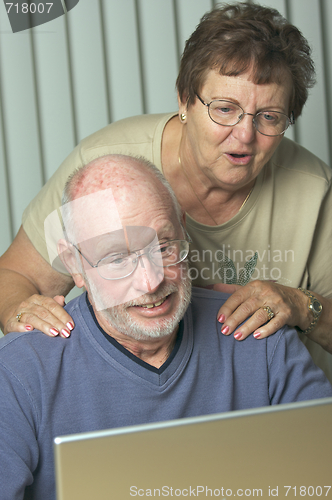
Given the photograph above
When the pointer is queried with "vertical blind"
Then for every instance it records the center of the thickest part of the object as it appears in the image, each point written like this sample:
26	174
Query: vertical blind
109	59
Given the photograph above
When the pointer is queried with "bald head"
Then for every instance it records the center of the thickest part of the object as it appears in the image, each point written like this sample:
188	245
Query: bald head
118	172
114	208
129	185
126	245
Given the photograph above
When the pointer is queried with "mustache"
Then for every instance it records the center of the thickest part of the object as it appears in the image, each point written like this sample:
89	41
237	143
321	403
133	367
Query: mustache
165	290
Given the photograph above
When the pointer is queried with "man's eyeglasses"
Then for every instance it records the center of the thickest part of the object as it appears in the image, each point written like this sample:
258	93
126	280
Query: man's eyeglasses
121	265
229	114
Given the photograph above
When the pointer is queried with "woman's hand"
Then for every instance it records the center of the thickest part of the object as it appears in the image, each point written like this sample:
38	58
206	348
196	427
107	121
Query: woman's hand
288	305
44	314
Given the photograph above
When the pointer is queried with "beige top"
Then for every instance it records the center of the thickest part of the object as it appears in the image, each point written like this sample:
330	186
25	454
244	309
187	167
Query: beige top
283	233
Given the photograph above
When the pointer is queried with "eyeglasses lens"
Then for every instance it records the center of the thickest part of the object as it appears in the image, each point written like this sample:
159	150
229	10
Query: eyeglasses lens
271	123
122	265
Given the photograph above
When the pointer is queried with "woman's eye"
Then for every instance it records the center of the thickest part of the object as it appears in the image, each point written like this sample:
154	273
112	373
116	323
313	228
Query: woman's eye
167	249
224	110
269	117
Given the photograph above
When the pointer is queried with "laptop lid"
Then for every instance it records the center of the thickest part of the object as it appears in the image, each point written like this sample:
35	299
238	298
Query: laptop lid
278	451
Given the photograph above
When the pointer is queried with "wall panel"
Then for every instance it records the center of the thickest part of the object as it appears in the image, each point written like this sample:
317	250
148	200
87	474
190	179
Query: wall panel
6	230
122	59
312	126
189	14
159	55
88	69
57	131
109	59
20	117
326	22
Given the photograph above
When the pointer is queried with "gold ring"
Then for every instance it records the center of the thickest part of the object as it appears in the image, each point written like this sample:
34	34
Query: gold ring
269	311
19	316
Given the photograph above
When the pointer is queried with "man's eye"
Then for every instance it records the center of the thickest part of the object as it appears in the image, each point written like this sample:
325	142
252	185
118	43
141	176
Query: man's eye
115	261
118	262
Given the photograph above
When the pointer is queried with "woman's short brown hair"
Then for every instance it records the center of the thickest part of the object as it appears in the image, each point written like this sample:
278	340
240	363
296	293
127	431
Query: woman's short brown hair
238	37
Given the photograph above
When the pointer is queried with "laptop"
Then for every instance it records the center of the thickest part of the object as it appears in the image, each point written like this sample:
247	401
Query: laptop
277	451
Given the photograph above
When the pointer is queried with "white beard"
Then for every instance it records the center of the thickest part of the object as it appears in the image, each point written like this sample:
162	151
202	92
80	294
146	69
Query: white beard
120	319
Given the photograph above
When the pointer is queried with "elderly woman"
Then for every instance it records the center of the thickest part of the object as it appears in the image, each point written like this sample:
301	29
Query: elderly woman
257	204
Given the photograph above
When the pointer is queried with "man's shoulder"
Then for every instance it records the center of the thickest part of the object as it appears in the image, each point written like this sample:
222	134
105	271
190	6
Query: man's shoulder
25	357
205	304
202	295
23	351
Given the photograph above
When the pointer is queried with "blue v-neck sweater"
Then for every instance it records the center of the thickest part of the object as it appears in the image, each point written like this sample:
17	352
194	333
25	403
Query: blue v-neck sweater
54	386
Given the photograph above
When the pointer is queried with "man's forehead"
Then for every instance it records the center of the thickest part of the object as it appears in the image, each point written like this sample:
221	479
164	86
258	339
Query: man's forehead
91	215
125	240
102	213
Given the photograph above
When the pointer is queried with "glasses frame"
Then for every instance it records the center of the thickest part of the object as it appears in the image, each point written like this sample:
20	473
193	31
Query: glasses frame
139	254
291	119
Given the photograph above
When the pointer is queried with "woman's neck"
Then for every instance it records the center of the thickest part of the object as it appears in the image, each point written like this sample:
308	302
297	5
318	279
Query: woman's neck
204	199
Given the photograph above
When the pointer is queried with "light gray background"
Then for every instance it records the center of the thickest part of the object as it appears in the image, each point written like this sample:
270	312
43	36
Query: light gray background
108	59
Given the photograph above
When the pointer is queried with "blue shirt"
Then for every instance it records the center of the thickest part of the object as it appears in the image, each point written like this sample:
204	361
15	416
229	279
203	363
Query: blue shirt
54	386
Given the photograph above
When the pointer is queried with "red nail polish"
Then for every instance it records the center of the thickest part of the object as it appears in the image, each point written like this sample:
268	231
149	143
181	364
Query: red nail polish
221	318
238	335
28	327
70	326
54	332
225	330
65	332
257	335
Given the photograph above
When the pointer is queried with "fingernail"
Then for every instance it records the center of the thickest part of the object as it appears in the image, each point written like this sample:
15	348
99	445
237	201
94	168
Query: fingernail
65	332
225	330
54	331
70	326
28	327
238	335
221	318
257	335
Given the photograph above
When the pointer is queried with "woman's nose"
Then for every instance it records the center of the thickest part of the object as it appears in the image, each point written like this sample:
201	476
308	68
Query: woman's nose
245	130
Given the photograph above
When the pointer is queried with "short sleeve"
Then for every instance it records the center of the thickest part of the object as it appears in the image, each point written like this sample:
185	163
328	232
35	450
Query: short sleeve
48	200
320	262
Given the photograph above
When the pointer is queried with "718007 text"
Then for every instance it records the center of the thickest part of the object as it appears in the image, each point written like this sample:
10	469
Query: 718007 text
25	8
309	491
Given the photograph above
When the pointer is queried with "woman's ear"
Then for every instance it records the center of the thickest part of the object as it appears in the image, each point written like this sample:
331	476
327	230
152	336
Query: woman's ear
182	110
184	218
66	252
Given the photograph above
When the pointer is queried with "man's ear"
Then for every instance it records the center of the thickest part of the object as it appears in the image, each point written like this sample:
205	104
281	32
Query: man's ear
66	252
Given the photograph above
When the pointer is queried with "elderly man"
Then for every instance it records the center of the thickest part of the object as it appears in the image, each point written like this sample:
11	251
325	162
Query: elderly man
143	350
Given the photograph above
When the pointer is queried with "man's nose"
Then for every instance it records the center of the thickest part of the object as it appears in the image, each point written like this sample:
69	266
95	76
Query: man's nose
147	276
